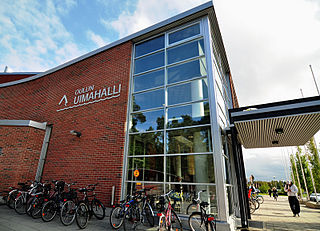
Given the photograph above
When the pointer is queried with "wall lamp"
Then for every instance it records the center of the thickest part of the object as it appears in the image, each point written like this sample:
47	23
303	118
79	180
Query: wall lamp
279	131
75	133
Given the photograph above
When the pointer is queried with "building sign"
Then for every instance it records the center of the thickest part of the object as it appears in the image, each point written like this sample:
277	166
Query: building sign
89	95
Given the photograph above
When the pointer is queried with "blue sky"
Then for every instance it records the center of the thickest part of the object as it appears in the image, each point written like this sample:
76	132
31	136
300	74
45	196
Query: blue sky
269	44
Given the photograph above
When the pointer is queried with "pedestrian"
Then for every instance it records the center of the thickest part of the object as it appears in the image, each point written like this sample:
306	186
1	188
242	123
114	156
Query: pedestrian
269	191
275	193
292	191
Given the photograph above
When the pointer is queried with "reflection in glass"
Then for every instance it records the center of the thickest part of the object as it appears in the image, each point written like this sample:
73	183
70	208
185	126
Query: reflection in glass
149	80
146	144
149	46
195	90
150	168
184	33
149	62
191	168
186	51
187	71
147	100
189	115
230	200
191	140
147	121
184	193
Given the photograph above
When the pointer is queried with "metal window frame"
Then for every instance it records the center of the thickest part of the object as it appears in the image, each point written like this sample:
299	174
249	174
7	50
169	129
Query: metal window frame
202	35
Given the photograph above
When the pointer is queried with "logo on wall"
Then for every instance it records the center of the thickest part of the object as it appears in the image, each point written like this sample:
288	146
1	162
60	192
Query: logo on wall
88	95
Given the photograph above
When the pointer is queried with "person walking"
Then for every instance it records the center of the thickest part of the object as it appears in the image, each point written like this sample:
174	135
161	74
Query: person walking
275	193
292	191
269	191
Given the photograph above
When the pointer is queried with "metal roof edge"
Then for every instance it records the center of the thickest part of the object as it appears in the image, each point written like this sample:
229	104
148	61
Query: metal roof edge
23	123
20	73
113	44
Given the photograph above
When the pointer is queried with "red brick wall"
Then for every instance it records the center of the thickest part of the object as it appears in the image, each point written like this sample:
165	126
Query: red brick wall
97	156
19	162
4	78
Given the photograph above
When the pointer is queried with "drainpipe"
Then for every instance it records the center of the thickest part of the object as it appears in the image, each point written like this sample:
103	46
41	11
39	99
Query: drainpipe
43	153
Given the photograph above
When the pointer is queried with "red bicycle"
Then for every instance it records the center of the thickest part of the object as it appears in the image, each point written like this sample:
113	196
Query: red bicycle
168	219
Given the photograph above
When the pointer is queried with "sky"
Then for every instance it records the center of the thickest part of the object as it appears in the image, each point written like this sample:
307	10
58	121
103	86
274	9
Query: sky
269	43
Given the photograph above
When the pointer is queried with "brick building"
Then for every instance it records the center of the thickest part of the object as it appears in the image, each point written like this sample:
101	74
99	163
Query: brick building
154	103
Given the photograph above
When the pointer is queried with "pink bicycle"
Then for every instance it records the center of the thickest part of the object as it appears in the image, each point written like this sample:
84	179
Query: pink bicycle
168	219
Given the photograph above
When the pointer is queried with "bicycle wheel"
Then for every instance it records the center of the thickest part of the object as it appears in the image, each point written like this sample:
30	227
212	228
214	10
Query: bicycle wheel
260	199
131	219
196	222
49	211
20	205
252	207
193	208
11	199
148	214
37	207
175	222
257	204
98	209
116	217
29	207
68	212
82	215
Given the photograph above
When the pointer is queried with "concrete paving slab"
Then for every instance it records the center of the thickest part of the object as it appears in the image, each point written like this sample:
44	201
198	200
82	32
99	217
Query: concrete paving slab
277	215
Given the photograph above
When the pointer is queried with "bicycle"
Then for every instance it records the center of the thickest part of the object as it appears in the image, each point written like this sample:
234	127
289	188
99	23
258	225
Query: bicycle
69	207
194	206
39	199
139	210
168	219
21	205
201	220
54	204
82	215
117	213
95	206
259	198
12	196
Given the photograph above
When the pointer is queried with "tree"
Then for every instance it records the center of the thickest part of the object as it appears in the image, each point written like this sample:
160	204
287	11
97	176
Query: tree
314	161
305	170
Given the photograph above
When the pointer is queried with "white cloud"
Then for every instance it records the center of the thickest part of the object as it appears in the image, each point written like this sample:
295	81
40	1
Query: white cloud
97	39
33	36
148	13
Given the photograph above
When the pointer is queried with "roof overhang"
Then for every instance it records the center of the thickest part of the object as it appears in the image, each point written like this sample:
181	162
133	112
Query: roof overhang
286	123
23	123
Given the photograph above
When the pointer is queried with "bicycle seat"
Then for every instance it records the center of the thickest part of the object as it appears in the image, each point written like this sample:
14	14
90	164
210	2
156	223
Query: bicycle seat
204	204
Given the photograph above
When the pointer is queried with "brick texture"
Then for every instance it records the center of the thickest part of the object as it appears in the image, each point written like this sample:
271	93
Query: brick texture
21	148
96	156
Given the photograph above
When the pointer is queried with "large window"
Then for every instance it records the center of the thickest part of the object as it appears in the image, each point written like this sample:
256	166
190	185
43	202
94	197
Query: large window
170	141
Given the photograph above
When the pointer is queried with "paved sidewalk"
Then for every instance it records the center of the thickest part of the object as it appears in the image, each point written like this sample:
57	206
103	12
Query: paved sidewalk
11	221
276	215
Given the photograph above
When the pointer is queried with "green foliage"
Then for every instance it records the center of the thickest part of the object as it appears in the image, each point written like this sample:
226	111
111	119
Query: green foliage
313	157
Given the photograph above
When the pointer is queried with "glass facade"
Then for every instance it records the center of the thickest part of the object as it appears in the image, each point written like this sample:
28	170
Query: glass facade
169	140
175	108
